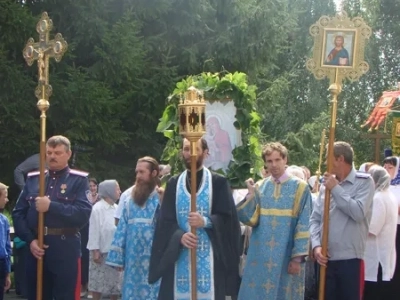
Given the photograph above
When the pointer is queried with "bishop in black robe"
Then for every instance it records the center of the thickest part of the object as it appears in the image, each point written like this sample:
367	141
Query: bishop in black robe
224	236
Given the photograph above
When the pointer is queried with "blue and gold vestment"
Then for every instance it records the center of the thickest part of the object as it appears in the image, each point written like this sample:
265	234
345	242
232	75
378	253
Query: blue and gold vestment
279	214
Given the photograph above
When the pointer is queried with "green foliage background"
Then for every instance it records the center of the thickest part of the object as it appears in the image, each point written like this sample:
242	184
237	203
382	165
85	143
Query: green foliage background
230	87
125	58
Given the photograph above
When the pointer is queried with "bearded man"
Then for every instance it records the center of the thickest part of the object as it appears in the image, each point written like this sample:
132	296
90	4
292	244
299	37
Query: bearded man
217	241
131	246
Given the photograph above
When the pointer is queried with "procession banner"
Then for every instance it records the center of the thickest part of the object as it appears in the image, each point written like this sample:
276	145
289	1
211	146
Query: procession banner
395	133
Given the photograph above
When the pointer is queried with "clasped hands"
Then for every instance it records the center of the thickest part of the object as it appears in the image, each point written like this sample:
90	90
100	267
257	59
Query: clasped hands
189	240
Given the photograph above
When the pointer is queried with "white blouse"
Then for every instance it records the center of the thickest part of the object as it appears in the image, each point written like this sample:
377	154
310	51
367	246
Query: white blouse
395	189
381	242
101	226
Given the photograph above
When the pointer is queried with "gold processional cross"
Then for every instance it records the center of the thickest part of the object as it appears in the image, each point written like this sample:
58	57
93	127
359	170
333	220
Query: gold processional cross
42	51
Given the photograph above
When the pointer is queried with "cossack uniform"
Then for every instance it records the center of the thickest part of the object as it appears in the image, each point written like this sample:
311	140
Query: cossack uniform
69	211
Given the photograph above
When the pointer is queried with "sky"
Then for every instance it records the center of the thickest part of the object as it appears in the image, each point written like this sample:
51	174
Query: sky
338	2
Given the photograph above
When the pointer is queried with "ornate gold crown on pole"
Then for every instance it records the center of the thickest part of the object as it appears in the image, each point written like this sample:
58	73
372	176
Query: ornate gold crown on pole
192	124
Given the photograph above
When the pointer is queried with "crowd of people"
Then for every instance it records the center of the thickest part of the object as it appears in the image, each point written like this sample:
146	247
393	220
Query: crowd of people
252	244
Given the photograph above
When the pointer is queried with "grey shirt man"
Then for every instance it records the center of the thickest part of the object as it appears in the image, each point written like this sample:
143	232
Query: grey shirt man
28	165
349	216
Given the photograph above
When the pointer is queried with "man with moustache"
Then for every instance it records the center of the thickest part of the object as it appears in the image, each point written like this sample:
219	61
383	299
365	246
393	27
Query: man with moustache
66	209
131	246
217	241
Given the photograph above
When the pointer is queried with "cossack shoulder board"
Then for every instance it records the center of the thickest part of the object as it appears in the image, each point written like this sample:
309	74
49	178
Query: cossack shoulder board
78	172
35	173
362	175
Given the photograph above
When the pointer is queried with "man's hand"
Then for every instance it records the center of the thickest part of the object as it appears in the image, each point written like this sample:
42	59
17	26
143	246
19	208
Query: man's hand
189	240
294	267
42	204
7	284
250	187
160	192
321	259
97	257
196	220
36	250
330	181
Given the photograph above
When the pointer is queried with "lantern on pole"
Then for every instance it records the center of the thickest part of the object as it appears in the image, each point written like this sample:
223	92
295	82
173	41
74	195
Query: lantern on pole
192	124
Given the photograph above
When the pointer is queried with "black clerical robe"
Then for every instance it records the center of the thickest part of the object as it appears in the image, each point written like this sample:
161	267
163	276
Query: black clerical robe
224	235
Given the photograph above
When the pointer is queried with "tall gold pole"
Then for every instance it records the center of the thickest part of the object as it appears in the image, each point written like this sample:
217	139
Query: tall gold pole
42	51
335	90
192	126
193	208
321	154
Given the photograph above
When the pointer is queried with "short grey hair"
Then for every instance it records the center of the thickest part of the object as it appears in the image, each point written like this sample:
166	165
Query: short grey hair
344	149
58	140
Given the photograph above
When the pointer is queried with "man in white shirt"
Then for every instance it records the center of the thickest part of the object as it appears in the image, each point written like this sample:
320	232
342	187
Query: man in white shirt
122	200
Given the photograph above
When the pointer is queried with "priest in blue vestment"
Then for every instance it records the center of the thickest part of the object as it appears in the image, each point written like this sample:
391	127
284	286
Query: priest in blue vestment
131	246
218	235
278	210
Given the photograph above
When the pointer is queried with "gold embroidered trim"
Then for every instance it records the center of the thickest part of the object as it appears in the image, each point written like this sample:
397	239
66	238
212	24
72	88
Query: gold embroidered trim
254	219
297	198
276	212
302	235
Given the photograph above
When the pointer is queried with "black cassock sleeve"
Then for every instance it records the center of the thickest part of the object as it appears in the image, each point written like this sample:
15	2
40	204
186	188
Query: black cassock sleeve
225	235
167	236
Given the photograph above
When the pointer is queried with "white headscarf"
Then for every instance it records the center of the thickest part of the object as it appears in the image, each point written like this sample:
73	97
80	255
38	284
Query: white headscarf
381	178
107	189
363	168
312	180
296	171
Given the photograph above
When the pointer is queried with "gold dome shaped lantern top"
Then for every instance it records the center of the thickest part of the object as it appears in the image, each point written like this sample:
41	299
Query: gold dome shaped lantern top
192	117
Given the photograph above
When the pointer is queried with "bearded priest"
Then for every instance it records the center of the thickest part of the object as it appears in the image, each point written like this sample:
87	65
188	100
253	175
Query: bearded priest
131	246
218	235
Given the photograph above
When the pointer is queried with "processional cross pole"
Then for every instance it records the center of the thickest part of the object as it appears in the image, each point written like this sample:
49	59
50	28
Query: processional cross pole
331	59
377	137
42	51
321	154
192	124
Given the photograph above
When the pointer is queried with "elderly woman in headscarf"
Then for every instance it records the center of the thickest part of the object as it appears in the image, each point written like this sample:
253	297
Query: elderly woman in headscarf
380	251
103	279
392	164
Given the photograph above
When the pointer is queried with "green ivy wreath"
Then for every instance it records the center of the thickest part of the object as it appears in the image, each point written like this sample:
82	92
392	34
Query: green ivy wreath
246	159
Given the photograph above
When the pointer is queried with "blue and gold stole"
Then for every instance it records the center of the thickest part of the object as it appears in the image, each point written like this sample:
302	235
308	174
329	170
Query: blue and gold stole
205	258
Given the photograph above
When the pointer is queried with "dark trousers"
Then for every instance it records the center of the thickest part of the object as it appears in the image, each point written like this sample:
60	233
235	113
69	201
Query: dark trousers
85	255
20	270
379	290
60	269
395	282
344	279
3	275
